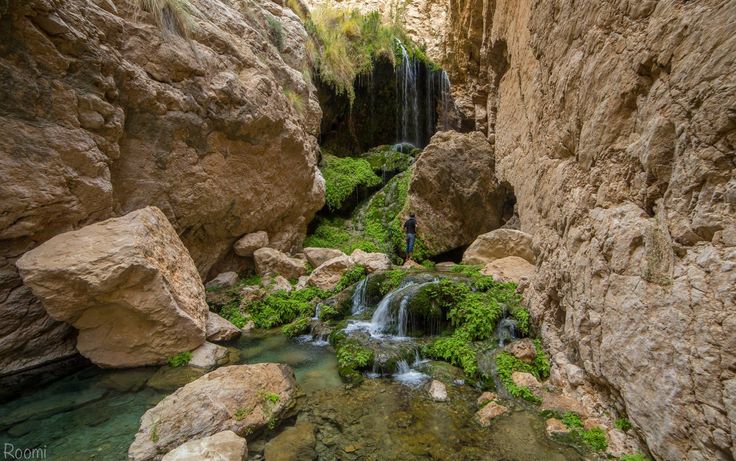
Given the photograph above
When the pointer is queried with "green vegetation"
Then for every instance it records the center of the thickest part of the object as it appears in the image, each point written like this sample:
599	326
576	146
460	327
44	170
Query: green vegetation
455	349
241	414
271	397
173	16
507	364
275	32
296	328
351	276
634	457
352	355
180	359
154	432
623	424
346	43
285	307
231	312
391	280
595	438
343	176
572	420
387	159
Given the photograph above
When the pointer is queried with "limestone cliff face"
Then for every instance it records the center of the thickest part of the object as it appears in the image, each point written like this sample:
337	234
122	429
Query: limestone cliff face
614	123
102	111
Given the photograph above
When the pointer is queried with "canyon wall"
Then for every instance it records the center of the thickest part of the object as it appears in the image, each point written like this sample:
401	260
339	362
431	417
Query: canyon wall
615	124
106	108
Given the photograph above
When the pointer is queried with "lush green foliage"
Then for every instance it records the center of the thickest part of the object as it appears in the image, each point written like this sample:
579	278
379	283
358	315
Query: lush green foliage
506	364
391	280
595	438
271	397
343	175
346	43
296	328
351	355
351	276
470	271
231	312
541	361
387	159
328	312
455	349
284	307
572	420
335	233
180	359
623	424
476	315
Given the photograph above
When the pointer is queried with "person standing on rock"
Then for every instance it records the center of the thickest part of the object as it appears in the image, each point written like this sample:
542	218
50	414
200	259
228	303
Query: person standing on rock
410	227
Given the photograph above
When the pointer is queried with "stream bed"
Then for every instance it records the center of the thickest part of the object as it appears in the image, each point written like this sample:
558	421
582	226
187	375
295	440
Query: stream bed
94	413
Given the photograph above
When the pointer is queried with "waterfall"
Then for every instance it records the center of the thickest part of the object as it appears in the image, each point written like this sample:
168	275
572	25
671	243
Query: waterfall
387	320
407	82
446	103
506	330
359	297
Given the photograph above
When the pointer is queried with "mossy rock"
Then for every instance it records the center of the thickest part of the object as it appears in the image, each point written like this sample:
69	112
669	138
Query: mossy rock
442	371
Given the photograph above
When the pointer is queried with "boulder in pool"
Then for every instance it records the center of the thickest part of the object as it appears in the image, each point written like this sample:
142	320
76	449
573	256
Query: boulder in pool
244	399
127	284
223	446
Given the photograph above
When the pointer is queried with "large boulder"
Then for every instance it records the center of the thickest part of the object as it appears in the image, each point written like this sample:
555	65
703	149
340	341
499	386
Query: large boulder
247	244
327	276
273	262
220	330
318	256
454	191
244	399
223	446
373	262
106	109
127	284
498	244
509	269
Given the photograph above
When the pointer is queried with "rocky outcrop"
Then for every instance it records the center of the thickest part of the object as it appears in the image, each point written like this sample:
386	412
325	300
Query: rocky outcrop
127	284
271	262
220	330
247	244
613	123
328	275
318	256
208	356
239	398
454	191
498	244
223	446
103	111
373	262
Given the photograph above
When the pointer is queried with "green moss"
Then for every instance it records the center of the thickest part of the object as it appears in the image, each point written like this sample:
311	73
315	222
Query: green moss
476	314
231	312
241	414
328	312
343	176
386	159
296	328
623	424
285	307
391	281
351	276
271	397
470	271
455	349
180	359
634	457
572	420
350	354
595	438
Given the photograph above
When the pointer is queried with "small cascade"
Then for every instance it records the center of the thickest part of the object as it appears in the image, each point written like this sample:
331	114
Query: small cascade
506	330
407	86
388	320
445	104
358	301
406	374
317	308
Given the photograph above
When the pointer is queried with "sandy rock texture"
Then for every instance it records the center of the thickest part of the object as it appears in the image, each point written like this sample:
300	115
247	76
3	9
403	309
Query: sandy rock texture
103	112
240	398
223	446
614	125
127	284
454	191
497	244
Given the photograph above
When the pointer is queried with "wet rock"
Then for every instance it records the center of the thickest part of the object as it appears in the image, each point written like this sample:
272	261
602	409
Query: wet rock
449	178
223	446
169	379
219	329
273	262
38	409
208	356
319	256
499	244
295	443
523	350
224	280
327	275
240	398
486	397
373	262
437	391
555	427
491	410
249	243
128	284
441	371
127	380
509	269
528	380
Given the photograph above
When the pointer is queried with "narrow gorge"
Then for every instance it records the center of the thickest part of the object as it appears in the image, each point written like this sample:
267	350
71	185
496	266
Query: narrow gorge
205	212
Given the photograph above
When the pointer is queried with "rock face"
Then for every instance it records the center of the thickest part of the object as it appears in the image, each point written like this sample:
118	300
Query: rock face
613	124
219	329
454	191
104	112
247	244
273	262
127	284
327	276
240	398
223	446
498	244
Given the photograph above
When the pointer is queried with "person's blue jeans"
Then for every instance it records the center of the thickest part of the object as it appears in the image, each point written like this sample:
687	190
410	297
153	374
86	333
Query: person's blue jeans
410	238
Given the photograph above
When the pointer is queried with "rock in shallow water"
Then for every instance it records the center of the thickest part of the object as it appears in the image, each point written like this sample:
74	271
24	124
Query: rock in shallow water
128	284
223	446
242	398
219	329
491	410
208	356
437	391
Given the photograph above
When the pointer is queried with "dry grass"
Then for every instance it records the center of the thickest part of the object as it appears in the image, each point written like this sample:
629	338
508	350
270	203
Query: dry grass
172	16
